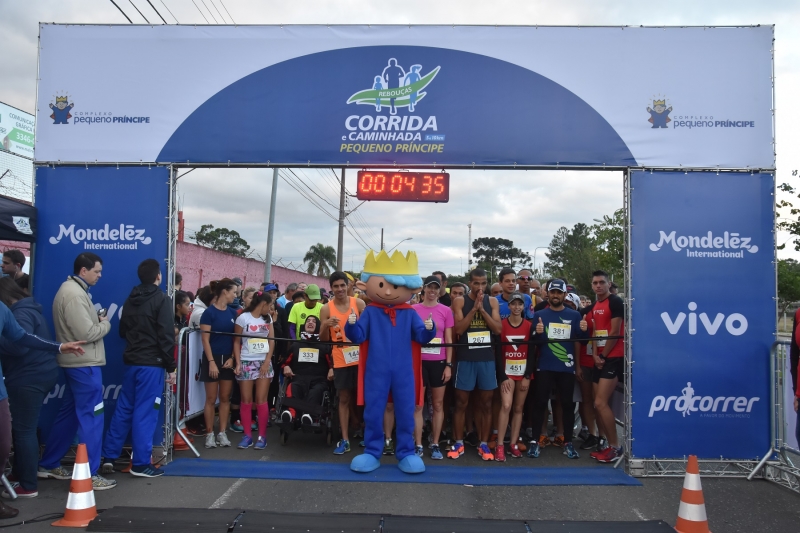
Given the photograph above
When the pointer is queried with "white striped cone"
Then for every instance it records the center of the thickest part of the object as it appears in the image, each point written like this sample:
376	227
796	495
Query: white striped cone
81	507
692	510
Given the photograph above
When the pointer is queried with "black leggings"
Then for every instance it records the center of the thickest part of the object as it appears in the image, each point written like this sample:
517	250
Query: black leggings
564	383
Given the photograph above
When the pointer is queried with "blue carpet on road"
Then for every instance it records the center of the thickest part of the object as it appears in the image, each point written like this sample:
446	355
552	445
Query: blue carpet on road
446	475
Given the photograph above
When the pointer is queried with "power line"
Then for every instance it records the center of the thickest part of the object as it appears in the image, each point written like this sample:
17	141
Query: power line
226	11
313	191
201	11
170	11
215	7
121	11
360	243
209	11
302	193
137	10
156	10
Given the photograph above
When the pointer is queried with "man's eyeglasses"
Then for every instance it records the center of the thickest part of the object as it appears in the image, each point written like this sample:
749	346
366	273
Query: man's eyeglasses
525	278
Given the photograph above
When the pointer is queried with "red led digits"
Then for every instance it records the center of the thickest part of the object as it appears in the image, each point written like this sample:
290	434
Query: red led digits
403	186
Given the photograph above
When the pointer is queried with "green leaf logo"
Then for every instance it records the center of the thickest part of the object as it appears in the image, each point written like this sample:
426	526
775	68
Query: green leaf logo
401	95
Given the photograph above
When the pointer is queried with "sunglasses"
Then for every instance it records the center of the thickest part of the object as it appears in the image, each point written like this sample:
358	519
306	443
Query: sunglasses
525	278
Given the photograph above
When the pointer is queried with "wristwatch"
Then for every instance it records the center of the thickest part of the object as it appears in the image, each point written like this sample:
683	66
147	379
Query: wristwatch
449	364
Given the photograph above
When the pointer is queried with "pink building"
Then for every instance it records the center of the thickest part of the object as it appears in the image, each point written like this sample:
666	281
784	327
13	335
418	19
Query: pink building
198	265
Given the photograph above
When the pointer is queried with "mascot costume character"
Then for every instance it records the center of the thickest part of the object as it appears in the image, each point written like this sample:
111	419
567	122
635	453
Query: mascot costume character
390	333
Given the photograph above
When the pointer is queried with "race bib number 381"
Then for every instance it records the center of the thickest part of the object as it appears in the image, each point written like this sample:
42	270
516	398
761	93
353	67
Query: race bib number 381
559	331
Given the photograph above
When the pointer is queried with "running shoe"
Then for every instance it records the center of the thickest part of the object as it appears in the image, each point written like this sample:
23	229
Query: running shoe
533	450
222	440
388	447
602	443
436	453
58	472
106	466
342	447
558	441
492	441
286	417
500	453
584	433
472	439
456	451
362	444
485	452
260	443
590	442
21	493
609	455
245	443
306	420
254	424
515	451
210	442
101	483
521	445
146	471
569	451
419	451
543	441
237	427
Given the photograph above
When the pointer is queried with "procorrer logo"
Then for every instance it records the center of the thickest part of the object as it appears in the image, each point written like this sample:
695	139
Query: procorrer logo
126	237
718	245
708	406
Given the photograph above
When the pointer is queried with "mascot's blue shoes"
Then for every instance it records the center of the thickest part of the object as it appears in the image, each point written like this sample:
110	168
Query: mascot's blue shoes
367	463
411	464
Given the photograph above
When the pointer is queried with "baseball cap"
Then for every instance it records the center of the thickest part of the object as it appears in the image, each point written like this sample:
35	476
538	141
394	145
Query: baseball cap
312	291
270	287
237	281
557	285
575	299
432	279
516	296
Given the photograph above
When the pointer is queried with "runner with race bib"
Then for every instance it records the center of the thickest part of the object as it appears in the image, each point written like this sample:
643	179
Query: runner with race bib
557	361
253	355
513	373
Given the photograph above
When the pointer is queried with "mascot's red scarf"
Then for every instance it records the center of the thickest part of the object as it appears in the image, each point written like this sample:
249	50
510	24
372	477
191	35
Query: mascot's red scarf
416	358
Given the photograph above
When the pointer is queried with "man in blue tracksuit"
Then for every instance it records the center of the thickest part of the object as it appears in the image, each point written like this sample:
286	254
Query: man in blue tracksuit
147	326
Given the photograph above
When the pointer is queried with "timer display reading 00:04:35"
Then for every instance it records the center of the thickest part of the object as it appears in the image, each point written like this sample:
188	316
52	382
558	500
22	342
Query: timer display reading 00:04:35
403	186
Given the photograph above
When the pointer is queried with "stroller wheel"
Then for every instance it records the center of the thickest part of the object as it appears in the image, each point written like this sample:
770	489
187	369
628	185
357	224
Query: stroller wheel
284	437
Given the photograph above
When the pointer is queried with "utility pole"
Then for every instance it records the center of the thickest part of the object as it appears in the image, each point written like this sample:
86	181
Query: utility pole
271	229
340	249
469	247
381	238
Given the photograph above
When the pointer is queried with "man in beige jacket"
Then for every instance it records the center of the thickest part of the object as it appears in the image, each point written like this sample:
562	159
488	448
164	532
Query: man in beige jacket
75	318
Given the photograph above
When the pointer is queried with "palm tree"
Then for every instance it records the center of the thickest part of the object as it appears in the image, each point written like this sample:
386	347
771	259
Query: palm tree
320	258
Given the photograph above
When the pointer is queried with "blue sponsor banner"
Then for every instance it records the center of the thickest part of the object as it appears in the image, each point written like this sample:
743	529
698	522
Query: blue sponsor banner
119	214
703	313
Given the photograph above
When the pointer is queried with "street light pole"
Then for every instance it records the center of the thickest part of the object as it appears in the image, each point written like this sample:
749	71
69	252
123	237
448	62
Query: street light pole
398	244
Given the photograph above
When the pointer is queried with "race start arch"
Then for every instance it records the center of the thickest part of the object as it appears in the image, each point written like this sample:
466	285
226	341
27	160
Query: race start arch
686	113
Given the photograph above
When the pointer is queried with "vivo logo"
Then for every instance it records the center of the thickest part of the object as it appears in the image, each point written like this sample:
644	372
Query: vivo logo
708	241
735	323
127	237
688	403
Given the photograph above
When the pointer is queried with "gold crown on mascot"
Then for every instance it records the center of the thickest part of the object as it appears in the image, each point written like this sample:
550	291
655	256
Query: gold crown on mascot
398	264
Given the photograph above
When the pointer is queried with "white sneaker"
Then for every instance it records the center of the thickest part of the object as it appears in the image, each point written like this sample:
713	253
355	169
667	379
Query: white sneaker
222	440
101	483
210	442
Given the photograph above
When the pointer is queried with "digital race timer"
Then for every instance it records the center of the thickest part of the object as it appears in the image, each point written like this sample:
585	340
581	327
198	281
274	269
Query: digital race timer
404	186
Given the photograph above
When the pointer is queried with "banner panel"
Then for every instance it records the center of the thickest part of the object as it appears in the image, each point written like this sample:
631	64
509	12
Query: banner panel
407	95
17	130
703	313
118	214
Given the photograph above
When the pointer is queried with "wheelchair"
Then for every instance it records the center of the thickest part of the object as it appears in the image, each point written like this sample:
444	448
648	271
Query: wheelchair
324	415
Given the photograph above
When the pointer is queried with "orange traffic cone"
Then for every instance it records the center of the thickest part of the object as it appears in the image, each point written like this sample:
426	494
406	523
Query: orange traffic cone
81	508
692	511
179	444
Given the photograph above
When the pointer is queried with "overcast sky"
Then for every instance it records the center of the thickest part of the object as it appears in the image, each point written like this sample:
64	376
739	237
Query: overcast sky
527	207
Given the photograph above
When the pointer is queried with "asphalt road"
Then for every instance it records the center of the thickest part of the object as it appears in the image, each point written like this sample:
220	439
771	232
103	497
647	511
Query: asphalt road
733	505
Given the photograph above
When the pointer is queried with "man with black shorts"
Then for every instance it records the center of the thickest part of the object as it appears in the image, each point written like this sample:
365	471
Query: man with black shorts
476	317
608	316
333	317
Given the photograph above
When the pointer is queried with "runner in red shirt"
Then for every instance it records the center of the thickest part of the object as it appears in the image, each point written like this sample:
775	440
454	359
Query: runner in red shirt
607	315
513	373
